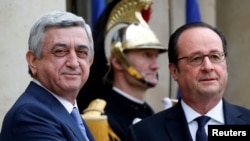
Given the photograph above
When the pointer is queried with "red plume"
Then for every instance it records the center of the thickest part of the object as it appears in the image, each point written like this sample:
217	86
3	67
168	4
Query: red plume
146	13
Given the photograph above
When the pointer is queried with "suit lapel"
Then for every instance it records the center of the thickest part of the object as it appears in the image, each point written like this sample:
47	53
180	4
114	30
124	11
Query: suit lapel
65	117
231	114
176	125
56	107
68	120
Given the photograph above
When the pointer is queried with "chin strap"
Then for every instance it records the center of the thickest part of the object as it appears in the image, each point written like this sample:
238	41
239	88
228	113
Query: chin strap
130	69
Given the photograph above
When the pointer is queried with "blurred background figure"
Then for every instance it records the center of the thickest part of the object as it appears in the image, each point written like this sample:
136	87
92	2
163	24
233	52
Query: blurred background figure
125	64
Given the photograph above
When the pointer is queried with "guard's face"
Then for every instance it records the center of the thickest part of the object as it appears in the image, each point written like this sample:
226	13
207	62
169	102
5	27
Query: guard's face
145	62
65	62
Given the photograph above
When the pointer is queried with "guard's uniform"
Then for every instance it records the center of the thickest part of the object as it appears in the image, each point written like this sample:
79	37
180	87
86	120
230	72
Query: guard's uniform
125	29
122	112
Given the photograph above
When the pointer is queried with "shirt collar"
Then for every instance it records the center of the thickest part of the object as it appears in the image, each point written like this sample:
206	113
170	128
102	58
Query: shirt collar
215	113
67	105
128	96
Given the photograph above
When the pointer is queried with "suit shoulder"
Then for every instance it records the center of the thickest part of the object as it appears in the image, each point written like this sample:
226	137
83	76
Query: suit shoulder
154	120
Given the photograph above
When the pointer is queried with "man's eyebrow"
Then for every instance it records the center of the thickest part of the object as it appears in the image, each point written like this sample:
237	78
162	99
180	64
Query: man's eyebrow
82	47
65	45
60	45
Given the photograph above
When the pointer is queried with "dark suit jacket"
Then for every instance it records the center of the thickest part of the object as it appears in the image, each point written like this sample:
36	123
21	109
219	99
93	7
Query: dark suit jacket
171	124
39	116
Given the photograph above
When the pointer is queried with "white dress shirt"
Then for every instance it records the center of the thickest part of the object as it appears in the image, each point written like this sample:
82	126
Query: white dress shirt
216	117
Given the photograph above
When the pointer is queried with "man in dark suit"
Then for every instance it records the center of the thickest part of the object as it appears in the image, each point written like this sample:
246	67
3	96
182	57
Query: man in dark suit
59	57
197	61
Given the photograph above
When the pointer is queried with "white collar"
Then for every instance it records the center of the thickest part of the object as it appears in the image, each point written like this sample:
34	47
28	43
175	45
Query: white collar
215	113
67	105
119	91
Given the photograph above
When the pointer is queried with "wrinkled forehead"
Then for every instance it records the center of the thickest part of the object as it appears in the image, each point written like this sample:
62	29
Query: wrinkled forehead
68	35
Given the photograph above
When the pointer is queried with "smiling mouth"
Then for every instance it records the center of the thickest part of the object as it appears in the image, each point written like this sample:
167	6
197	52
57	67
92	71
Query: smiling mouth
71	73
207	81
70	76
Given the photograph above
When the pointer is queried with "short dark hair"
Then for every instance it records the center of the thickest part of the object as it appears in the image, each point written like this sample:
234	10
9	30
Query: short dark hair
172	45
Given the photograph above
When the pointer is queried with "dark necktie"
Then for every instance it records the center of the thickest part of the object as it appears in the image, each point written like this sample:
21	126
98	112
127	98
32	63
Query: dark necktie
77	117
201	133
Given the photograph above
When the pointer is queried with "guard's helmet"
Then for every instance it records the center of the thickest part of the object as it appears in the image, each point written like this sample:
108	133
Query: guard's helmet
126	29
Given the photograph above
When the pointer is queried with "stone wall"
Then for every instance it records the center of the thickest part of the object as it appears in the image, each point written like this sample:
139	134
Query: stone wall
17	17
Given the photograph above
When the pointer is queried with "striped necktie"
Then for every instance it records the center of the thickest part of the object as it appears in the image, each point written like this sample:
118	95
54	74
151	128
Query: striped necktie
77	117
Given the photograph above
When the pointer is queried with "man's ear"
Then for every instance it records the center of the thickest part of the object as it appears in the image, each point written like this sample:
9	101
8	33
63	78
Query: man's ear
32	62
115	63
91	60
174	71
